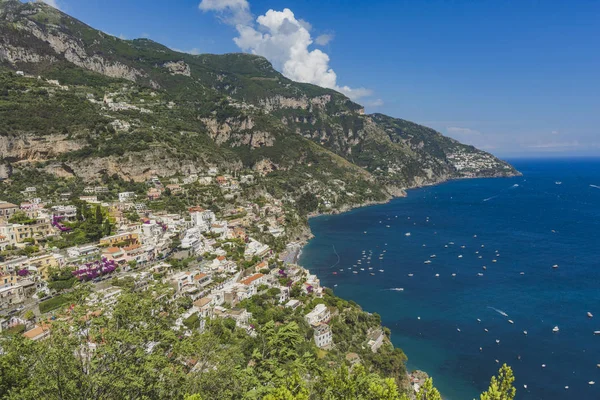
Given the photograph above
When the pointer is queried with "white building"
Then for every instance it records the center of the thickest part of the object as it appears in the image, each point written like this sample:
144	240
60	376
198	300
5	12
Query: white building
203	220
323	336
256	249
126	196
319	315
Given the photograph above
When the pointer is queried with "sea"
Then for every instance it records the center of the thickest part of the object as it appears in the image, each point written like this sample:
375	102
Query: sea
460	271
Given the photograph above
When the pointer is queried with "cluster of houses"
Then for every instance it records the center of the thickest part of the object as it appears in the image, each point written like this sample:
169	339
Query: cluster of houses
213	280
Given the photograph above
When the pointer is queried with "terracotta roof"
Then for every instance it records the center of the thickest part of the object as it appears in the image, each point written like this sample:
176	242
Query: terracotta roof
200	276
37	331
7	205
113	250
202	302
251	279
221	258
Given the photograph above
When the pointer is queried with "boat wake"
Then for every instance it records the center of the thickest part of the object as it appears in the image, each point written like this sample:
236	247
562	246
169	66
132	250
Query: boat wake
338	258
516	185
499	311
397	289
595	186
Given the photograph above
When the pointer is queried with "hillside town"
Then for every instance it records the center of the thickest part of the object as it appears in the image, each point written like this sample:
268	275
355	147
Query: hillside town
211	261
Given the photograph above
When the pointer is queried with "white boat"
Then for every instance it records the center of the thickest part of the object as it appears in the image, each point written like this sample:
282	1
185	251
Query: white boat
427	262
480	274
432	256
437	275
335	285
362	269
458	329
478	320
460	256
453	274
522	273
485	329
510	321
398	289
372	273
555	329
407	234
380	270
497	341
596	332
543	365
524	332
355	272
494	261
411	275
590	315
365	232
558	182
525	386
555	266
591	383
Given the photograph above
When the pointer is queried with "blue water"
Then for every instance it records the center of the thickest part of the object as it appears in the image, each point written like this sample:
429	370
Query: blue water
528	224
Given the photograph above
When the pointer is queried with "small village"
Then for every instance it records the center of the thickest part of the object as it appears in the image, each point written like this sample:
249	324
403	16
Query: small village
210	261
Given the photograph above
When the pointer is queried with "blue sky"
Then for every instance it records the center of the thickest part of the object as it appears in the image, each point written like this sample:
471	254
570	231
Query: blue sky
517	78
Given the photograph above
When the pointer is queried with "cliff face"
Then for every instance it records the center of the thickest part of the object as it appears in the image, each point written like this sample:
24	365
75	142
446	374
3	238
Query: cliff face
89	104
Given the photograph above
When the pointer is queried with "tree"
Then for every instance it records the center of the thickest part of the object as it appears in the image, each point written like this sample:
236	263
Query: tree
99	216
428	392
29	315
501	387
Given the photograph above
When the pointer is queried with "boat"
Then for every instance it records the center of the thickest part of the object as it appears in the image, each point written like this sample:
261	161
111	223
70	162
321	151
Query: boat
355	272
407	234
590	315
411	275
437	275
596	332
543	365
387	226
591	383
362	269
335	285
555	329
398	289
525	386
484	268
497	341
432	256
458	329
555	266
460	256
558	182
480	274
486	329
372	273
522	273
478	320
524	332
427	262
453	274
510	321
380	270
365	232
494	261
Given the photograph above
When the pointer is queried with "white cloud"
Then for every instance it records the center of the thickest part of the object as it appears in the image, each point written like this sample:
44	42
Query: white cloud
325	39
52	3
284	40
462	131
234	12
374	103
194	51
555	146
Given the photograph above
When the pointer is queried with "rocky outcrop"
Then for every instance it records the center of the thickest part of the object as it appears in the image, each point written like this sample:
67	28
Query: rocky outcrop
304	103
32	148
222	132
15	55
178	68
73	51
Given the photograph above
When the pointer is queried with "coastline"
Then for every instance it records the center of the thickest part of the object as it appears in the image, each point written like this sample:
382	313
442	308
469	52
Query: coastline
304	241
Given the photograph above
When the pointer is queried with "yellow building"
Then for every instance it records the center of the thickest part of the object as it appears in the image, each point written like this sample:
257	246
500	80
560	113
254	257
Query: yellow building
43	264
35	231
127	237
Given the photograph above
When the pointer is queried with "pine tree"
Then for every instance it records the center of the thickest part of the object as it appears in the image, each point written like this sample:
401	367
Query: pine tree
99	216
501	388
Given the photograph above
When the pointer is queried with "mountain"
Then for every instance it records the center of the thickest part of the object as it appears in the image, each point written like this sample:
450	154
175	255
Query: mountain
75	101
